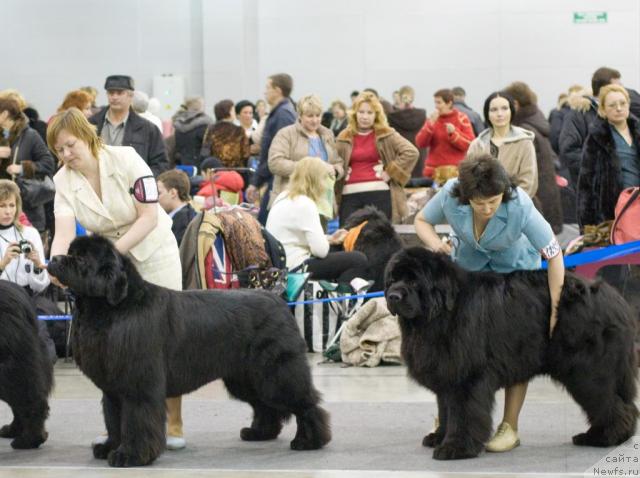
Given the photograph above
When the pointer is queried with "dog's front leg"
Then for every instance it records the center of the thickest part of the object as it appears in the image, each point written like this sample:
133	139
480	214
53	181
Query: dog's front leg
468	423
142	432
435	437
111	405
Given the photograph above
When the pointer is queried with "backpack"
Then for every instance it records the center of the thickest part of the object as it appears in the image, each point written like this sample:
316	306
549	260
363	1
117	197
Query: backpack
626	225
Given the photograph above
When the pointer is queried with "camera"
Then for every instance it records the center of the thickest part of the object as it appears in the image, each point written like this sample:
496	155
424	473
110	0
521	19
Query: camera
25	246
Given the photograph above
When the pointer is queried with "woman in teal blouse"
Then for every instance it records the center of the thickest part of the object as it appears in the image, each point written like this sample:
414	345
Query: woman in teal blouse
497	228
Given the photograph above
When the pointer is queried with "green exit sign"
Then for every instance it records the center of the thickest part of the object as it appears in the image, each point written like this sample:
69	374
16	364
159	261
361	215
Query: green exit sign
590	17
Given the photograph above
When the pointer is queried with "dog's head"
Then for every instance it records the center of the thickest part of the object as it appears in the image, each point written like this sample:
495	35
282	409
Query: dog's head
92	268
420	284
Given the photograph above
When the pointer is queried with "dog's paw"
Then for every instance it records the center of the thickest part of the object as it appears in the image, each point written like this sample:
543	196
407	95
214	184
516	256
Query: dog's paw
591	438
120	459
25	443
432	440
101	450
8	431
253	434
300	444
450	451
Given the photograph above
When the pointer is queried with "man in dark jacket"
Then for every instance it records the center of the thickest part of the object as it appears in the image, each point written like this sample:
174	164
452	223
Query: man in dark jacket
282	114
576	124
119	125
408	121
459	97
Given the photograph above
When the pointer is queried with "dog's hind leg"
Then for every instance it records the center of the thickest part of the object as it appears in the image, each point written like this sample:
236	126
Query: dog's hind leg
31	417
612	420
111	410
313	431
14	428
267	421
142	432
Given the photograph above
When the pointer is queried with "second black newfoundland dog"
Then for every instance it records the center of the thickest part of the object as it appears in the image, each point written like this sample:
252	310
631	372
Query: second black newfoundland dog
467	334
140	343
26	372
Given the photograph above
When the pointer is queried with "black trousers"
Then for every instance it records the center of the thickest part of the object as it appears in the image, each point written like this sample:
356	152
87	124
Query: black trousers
352	202
339	266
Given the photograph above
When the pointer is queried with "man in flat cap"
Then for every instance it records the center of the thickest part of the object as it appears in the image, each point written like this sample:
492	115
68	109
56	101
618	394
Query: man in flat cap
119	125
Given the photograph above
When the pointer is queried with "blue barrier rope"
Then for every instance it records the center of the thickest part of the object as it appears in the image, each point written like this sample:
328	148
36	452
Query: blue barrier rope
582	258
599	255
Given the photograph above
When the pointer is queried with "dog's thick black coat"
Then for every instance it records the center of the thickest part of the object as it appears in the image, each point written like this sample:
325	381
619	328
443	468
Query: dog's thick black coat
26	373
140	343
467	334
377	240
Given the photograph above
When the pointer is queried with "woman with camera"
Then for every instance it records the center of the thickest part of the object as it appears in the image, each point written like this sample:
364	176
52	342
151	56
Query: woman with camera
21	251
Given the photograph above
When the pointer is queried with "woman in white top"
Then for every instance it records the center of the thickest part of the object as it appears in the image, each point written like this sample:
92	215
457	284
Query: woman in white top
94	187
21	251
294	220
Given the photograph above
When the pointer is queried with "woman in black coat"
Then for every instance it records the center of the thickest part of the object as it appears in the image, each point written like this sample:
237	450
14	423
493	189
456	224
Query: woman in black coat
25	155
610	158
529	116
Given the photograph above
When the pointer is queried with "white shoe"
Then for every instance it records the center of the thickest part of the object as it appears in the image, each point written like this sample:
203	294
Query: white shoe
175	443
505	439
99	440
359	285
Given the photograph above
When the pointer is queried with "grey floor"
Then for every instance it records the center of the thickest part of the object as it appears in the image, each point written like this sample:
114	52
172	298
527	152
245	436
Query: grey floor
378	416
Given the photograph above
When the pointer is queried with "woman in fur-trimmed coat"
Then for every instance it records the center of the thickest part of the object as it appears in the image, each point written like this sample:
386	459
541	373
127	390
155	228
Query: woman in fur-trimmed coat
601	175
377	162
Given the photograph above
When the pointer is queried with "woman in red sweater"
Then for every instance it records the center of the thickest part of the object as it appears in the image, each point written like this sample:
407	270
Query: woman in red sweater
447	133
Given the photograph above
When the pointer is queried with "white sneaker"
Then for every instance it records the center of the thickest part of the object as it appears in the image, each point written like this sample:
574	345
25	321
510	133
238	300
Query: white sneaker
358	284
99	440
175	443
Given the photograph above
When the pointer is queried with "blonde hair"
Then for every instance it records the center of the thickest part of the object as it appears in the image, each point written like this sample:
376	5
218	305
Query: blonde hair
308	179
14	95
367	97
7	189
407	94
309	104
604	91
74	122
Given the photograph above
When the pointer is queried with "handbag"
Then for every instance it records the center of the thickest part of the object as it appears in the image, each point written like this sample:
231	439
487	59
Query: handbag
626	225
36	192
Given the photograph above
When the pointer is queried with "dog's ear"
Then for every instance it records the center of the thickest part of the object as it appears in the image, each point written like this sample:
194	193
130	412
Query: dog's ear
117	289
117	282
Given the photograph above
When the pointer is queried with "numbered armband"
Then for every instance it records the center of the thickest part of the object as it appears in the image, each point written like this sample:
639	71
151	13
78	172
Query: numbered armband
551	250
145	189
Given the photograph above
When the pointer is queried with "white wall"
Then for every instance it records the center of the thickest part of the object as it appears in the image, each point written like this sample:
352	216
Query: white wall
226	48
53	46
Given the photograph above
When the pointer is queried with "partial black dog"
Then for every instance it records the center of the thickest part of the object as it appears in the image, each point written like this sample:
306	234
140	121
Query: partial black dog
140	343
467	334
26	373
377	240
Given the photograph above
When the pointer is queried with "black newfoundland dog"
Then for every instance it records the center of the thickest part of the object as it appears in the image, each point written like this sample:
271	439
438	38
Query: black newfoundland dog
377	240
26	372
467	334
140	343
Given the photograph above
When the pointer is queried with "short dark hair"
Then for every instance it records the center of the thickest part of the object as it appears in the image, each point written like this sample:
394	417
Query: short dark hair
458	91
354	93
602	77
482	176
371	90
284	82
487	104
445	93
243	104
222	109
178	180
